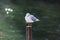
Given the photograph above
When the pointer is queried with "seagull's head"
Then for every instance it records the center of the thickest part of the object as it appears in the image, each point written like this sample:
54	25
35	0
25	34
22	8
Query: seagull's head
27	14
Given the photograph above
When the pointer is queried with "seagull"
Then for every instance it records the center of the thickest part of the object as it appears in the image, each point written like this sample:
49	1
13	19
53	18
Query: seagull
30	18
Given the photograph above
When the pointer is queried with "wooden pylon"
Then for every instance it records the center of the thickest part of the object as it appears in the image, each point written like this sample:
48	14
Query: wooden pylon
29	31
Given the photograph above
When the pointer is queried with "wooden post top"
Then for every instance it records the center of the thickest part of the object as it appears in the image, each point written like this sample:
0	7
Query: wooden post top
29	24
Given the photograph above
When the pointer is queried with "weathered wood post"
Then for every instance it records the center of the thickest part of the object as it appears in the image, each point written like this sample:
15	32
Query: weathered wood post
29	31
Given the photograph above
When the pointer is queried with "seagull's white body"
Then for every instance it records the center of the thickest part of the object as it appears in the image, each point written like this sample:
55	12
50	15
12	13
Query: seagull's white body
30	18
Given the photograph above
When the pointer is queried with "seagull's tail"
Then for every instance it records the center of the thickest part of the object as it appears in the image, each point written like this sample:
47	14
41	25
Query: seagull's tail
37	20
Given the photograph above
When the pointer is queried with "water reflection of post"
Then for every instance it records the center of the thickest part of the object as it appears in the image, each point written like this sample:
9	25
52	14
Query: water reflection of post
29	31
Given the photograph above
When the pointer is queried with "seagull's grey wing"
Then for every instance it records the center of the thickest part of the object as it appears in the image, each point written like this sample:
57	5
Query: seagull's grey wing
33	17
